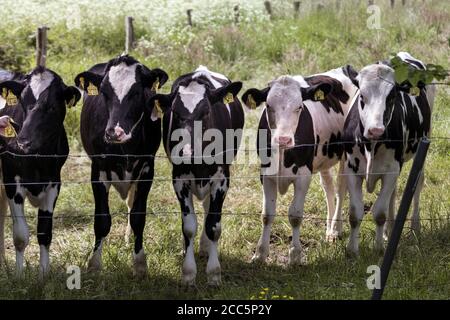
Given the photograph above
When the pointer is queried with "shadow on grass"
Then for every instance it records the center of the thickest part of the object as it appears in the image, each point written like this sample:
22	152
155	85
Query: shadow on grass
418	272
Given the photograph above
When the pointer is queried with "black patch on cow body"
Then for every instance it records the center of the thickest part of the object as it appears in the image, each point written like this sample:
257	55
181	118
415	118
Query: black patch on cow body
335	98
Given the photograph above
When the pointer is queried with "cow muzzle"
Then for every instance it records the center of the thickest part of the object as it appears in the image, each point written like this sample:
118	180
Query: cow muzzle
116	135
374	133
24	146
284	141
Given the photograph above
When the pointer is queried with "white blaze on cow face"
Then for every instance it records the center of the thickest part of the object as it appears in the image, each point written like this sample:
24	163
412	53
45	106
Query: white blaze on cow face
40	82
284	104
192	95
375	82
122	77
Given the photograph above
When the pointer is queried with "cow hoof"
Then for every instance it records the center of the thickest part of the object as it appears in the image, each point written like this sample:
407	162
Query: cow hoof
415	226
259	259
295	257
95	264
333	237
351	252
140	264
214	281
188	280
379	249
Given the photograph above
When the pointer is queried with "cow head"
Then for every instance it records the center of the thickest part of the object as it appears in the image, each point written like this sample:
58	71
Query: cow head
125	86
190	104
43	97
377	94
284	102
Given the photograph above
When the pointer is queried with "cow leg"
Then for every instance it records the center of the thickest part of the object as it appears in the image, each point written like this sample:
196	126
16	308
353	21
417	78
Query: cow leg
415	221
268	215
21	234
102	219
130	201
137	223
336	222
391	216
44	227
189	227
356	214
295	214
381	207
326	180
204	241
213	229
3	213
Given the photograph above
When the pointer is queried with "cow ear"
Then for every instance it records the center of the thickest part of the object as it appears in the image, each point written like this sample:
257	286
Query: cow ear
352	74
11	91
161	78
158	105
71	96
153	79
317	92
227	93
7	129
253	98
89	82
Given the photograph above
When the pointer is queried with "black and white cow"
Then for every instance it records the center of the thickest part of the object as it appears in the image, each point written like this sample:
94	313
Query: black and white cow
201	102
33	108
121	137
383	128
303	123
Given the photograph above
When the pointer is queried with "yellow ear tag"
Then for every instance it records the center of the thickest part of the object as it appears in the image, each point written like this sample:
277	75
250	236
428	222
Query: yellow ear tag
229	98
82	82
10	132
251	102
71	103
92	90
155	85
11	99
159	112
414	91
319	95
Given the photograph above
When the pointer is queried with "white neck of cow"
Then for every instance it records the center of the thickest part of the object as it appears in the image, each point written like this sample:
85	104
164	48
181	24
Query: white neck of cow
192	95
40	82
122	77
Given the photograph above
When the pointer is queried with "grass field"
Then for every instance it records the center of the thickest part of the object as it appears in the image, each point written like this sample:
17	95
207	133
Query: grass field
255	51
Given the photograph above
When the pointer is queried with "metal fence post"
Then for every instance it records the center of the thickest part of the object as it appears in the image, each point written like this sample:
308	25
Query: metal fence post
405	203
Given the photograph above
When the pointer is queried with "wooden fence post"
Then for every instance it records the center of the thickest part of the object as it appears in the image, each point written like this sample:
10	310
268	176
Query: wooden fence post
189	16
404	2
268	6
236	14
41	46
392	4
129	34
296	8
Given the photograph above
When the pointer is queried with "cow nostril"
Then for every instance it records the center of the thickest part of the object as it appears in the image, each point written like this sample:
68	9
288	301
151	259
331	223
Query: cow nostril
110	132
284	140
376	131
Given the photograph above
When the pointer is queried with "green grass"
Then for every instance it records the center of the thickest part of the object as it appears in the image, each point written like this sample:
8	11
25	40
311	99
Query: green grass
255	51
